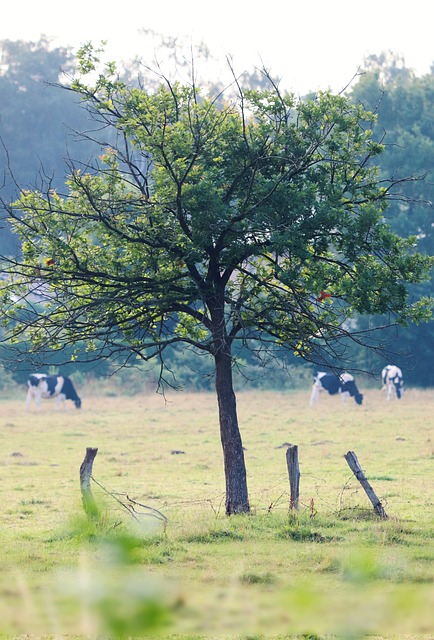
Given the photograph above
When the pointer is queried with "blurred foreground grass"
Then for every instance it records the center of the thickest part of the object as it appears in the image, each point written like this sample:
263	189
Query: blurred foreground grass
115	592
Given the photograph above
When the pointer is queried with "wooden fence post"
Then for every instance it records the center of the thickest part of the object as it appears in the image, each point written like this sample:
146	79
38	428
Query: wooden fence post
294	474
355	467
89	503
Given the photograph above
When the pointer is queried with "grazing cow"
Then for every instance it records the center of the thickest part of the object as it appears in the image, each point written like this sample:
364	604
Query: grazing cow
333	384
43	386
392	380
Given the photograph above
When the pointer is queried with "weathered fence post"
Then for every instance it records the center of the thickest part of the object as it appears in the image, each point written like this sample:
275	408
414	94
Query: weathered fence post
89	503
355	467
294	474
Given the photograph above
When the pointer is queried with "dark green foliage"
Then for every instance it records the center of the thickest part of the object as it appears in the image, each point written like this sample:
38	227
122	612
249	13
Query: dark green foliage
217	535
302	533
404	104
257	578
38	125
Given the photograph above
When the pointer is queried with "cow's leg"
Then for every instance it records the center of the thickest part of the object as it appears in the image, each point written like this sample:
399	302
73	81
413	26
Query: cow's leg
314	396
32	394
28	398
344	396
397	387
37	399
60	402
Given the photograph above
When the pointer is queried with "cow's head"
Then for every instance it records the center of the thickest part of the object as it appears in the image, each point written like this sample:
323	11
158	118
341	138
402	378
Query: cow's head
350	387
77	402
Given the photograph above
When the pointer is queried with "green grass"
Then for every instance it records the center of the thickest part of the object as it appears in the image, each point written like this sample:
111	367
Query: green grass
330	570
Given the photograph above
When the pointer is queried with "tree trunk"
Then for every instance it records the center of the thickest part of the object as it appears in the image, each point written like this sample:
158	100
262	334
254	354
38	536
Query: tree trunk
237	500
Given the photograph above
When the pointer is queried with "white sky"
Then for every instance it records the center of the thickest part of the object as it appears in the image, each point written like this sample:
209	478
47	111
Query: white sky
309	44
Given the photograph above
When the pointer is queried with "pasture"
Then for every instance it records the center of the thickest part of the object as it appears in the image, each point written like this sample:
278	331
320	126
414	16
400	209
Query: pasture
331	570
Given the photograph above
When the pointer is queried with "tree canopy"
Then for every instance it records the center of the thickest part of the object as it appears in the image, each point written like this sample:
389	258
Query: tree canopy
259	222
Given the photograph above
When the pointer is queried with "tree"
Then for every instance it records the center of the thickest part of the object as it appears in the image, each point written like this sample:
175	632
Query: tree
403	103
260	222
33	136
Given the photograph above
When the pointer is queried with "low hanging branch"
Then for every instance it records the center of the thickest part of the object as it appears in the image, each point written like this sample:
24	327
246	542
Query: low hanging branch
134	508
355	467
89	503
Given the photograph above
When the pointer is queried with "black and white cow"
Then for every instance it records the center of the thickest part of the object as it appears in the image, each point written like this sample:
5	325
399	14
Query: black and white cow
333	384
45	386
393	381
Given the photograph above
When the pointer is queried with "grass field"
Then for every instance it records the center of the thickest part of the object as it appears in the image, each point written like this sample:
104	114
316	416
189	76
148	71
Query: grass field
331	570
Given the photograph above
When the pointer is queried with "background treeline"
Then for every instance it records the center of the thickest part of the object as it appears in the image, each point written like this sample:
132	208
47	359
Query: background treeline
41	134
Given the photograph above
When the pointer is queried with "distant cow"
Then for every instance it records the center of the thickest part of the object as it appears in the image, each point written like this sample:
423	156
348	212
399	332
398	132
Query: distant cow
393	381
333	384
44	386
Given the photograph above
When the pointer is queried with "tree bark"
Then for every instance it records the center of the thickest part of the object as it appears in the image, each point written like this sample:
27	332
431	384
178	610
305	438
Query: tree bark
237	500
